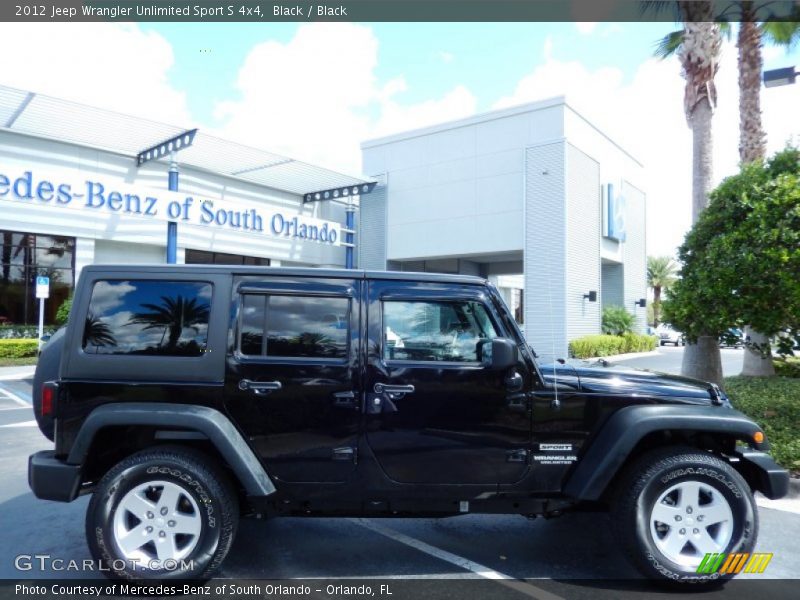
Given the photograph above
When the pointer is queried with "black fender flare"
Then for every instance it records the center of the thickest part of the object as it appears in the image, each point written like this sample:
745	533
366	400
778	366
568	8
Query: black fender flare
612	446
208	421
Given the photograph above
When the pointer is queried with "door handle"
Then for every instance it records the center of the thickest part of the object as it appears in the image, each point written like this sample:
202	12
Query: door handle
344	399
401	390
517	402
260	388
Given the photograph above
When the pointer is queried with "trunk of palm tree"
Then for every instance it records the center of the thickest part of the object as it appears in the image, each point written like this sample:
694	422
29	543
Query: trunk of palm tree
656	304
702	360
752	147
699	54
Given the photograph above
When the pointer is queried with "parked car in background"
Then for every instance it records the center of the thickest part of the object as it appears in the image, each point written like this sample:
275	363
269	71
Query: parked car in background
733	337
667	335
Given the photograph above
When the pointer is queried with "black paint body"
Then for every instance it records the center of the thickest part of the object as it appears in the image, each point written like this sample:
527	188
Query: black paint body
332	443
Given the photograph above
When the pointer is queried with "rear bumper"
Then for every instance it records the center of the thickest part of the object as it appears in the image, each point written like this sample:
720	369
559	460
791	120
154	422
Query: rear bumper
764	473
53	479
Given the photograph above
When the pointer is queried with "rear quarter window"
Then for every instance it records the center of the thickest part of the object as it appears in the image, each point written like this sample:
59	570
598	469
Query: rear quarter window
147	318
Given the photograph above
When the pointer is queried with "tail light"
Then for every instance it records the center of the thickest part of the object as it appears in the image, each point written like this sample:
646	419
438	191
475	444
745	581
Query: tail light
49	389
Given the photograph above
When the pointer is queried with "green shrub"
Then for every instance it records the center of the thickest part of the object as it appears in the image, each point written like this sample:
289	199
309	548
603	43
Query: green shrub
773	403
62	314
639	343
617	320
788	367
592	346
18	348
596	345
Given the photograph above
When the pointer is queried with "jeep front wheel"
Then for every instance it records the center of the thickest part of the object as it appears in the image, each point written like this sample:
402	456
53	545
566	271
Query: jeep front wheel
162	513
675	506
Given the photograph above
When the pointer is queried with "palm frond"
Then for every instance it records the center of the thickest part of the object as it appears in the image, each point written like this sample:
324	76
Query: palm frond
669	44
659	8
781	33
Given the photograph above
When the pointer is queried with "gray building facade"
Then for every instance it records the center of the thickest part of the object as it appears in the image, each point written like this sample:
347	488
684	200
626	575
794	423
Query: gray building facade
536	198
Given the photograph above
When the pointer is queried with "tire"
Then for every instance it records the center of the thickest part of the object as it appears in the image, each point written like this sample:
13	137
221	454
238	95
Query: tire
654	487
199	497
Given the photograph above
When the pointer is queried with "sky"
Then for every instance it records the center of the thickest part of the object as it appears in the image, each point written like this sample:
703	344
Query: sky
315	91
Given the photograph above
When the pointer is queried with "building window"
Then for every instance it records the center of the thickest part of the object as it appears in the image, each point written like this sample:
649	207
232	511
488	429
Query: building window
295	326
435	331
23	257
162	318
202	257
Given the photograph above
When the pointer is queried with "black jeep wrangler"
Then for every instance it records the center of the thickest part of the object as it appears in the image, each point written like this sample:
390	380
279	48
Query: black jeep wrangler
184	398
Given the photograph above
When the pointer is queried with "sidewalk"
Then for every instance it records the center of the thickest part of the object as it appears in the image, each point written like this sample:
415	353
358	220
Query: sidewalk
7	373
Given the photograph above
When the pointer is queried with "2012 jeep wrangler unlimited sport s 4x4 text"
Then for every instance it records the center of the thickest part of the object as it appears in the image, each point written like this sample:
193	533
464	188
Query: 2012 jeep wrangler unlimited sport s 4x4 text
183	398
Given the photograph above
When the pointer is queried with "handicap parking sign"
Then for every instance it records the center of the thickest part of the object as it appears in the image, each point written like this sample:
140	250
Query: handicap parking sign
42	287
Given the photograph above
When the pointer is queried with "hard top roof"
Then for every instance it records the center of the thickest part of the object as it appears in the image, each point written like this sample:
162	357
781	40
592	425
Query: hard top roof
137	270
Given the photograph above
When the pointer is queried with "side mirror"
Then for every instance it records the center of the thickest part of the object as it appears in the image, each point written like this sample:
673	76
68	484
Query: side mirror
498	354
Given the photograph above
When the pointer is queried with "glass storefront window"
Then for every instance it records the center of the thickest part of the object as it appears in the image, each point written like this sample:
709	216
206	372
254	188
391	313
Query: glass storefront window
24	256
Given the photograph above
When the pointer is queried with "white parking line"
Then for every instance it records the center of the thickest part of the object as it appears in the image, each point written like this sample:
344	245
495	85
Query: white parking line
16	376
479	569
23	424
14	397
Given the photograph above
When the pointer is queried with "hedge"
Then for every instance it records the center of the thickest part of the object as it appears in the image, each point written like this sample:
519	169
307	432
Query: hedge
592	346
773	403
788	367
18	348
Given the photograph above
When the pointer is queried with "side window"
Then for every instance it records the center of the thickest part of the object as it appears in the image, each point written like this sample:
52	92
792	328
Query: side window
149	318
294	326
435	331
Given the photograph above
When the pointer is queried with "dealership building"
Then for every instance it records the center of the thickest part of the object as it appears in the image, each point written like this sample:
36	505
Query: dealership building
535	197
77	187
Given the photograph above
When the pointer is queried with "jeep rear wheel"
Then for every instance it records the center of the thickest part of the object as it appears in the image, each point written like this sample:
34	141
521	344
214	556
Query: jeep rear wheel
676	505
162	513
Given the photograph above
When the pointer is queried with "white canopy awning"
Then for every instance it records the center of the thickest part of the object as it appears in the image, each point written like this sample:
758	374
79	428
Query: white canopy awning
63	120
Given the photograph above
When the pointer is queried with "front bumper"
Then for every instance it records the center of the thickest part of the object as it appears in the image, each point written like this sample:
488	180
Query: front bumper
53	479
764	473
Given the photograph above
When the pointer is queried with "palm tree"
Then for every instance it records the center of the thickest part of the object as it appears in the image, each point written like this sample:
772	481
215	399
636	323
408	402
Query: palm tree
751	37
174	315
96	333
661	274
698	47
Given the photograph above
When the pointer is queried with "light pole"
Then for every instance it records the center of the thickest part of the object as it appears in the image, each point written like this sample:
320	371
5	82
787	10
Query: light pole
169	147
779	77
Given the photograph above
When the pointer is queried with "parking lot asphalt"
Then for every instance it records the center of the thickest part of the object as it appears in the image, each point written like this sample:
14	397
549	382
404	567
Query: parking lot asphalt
573	556
669	358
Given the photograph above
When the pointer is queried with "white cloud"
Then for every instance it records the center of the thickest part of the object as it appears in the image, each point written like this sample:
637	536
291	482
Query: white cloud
114	66
395	117
107	296
446	57
317	97
645	115
586	27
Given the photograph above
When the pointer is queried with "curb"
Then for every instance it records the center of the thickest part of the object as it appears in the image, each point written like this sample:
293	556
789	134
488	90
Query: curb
794	488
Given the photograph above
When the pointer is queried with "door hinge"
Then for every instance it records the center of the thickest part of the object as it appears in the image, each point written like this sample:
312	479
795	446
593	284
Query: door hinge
347	453
520	455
